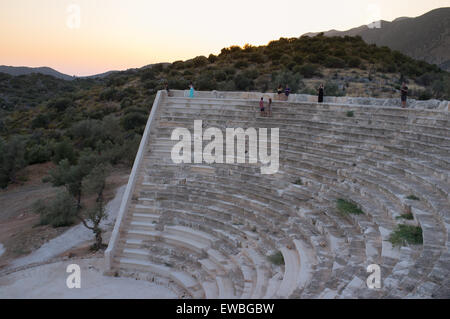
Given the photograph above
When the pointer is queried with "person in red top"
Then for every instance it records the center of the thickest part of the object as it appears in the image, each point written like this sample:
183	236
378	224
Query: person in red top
261	107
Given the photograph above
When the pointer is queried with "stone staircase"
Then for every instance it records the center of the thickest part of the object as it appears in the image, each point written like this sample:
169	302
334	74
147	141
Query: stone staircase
209	228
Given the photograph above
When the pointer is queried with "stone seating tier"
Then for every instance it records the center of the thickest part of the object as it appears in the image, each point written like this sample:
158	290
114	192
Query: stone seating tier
210	228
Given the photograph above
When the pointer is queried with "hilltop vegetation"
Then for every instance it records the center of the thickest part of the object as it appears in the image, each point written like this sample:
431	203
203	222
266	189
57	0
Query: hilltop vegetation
47	119
426	37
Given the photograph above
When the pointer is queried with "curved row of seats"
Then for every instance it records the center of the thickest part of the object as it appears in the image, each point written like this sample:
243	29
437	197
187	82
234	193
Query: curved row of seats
226	231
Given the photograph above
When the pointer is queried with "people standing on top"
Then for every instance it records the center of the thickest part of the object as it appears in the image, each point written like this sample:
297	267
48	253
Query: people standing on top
166	87
191	90
269	107
321	92
287	91
404	92
261	107
280	89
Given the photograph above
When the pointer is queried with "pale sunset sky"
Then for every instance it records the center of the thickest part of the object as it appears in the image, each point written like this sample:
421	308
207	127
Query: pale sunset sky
117	35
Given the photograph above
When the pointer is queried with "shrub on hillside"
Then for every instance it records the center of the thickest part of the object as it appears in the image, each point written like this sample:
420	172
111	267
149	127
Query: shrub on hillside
309	70
441	88
230	71
206	82
129	92
298	58
226	86
117	80
263	83
424	95
354	62
40	121
200	61
148	74
212	58
61	211
37	154
316	58
294	81
333	89
177	65
4	105
111	129
178	83
86	132
251	73
220	76
60	104
134	121
12	159
109	94
151	86
126	102
243	83
64	150
129	150
256	57
241	64
334	62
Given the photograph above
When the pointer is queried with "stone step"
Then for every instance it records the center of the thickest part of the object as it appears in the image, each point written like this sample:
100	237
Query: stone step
291	277
180	278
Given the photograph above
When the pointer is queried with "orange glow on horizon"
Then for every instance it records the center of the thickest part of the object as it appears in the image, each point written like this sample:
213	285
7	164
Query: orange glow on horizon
117	35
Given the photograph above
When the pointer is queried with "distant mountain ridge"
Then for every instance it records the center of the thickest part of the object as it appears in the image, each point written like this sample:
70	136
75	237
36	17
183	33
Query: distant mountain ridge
426	37
23	70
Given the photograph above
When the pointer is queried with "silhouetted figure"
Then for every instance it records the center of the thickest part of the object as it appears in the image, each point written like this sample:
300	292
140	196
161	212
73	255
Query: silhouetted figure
166	87
404	92
321	92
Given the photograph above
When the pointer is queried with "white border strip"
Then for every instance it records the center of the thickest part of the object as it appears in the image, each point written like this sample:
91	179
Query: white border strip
109	253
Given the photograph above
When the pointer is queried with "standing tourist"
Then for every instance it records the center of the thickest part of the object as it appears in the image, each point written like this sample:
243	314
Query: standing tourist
404	92
280	90
321	91
166	87
191	90
261	107
287	91
269	107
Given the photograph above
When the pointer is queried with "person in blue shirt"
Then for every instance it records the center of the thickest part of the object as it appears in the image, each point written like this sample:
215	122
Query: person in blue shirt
287	91
191	90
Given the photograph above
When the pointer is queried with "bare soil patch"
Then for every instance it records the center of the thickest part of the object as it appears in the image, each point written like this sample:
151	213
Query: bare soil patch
19	231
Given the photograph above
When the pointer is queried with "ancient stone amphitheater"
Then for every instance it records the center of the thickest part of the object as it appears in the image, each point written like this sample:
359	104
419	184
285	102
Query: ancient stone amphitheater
208	229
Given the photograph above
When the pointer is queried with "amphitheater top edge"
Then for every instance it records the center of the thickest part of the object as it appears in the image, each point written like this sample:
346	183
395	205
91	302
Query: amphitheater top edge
430	105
